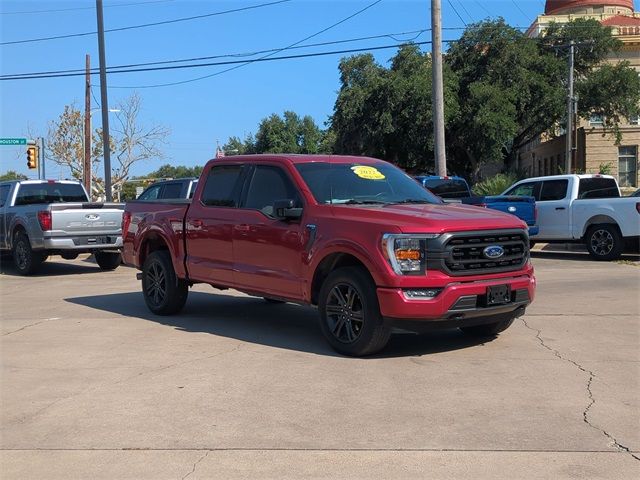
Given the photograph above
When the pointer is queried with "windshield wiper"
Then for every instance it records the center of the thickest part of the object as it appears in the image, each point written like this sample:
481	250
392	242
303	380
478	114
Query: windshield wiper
409	201
364	202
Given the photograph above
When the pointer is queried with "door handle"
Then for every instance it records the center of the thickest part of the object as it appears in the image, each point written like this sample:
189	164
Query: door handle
242	228
560	208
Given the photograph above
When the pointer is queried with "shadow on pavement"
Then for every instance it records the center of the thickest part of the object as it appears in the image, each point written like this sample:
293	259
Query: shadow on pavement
249	319
577	256
51	268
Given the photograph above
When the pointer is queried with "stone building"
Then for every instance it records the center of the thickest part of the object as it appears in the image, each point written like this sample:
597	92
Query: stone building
595	147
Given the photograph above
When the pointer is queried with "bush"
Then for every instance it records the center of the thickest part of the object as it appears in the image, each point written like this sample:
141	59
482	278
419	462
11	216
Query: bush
495	185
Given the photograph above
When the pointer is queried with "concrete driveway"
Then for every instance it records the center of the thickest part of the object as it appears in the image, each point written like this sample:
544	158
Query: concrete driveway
93	386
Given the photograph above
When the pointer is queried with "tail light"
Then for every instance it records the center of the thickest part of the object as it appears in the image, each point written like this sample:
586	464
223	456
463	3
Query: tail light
44	218
126	221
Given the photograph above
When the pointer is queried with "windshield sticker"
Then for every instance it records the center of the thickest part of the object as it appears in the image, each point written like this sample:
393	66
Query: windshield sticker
368	173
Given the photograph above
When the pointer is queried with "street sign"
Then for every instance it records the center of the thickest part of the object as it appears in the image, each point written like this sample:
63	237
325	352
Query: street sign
13	141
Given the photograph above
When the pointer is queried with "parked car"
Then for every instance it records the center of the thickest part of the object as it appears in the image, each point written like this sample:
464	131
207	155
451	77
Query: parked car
456	189
583	208
354	236
636	193
39	218
170	189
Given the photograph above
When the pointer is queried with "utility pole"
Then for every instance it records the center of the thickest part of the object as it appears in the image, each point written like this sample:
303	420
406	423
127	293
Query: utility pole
42	157
437	88
105	105
570	109
87	127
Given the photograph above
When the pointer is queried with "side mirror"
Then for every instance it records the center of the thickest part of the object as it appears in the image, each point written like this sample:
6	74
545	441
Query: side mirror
284	210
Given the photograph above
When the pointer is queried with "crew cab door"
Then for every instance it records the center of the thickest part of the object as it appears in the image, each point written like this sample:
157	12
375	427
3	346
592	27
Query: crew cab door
209	225
268	251
553	210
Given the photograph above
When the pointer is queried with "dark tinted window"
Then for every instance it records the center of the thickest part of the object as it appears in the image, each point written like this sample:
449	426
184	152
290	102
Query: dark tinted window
4	194
350	183
269	184
598	188
150	193
222	187
31	193
528	189
554	190
172	190
447	188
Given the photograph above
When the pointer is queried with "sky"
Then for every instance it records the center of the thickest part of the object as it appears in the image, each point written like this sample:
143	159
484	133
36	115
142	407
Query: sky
201	113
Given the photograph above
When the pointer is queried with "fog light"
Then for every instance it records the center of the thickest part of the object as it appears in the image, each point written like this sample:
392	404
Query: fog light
421	294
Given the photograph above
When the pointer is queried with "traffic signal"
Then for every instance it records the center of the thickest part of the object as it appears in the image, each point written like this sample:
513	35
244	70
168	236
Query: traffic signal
32	156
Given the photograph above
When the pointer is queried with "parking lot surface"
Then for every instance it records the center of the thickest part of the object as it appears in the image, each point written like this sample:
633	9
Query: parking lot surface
94	386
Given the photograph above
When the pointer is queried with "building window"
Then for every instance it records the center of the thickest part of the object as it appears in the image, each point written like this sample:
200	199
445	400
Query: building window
596	120
635	120
628	166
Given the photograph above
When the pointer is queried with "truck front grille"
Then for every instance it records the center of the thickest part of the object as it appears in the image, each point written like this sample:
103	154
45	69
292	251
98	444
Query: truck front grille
468	253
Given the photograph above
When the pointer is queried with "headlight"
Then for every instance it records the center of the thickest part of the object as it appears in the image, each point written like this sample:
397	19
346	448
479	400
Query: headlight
407	254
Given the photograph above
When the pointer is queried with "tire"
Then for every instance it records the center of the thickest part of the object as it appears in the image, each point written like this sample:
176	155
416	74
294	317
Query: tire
273	301
350	316
108	260
25	259
69	255
604	242
163	292
489	329
531	244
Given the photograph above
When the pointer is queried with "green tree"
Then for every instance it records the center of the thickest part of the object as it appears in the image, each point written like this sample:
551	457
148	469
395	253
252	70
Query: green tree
171	171
12	175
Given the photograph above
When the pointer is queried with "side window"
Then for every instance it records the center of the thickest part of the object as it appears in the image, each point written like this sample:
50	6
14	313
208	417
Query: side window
269	184
598	188
172	190
150	193
222	187
529	189
554	190
4	194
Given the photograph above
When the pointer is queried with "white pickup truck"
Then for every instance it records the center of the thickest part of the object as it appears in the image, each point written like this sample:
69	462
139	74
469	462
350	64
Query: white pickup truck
583	208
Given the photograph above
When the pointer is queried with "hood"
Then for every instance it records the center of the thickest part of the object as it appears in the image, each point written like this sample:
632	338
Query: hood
439	218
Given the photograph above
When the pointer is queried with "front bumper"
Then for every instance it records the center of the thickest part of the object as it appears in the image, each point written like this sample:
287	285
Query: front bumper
459	300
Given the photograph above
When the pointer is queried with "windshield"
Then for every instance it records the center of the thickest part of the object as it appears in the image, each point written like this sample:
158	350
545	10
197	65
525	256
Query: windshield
30	193
352	183
447	187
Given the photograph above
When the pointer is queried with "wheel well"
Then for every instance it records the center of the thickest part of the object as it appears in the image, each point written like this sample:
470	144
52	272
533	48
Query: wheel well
599	220
328	265
17	229
152	243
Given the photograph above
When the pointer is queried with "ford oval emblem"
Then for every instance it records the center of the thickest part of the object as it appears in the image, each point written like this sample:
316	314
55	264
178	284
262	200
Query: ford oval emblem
493	251
512	209
92	216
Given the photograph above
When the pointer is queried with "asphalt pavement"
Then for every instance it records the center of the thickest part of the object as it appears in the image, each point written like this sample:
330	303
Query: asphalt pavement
94	386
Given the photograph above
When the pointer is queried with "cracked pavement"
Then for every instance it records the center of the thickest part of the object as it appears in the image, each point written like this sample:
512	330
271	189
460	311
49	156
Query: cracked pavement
93	386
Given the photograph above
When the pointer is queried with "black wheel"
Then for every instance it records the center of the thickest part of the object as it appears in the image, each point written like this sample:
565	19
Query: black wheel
531	244
350	316
273	301
107	260
25	259
69	255
604	242
163	292
489	329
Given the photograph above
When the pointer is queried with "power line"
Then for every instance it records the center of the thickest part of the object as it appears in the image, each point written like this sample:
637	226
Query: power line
145	25
465	10
231	62
373	4
110	69
458	14
521	11
480	4
84	8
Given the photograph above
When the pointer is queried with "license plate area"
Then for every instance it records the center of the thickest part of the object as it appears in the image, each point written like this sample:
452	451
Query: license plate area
498	295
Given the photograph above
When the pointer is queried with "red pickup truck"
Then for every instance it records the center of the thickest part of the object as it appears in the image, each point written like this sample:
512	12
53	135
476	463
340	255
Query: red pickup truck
354	236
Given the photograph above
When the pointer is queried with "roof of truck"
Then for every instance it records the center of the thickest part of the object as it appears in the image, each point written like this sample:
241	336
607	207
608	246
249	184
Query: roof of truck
297	158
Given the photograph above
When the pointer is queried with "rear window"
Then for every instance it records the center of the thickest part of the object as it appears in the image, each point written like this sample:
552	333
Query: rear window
447	188
33	193
172	190
598	188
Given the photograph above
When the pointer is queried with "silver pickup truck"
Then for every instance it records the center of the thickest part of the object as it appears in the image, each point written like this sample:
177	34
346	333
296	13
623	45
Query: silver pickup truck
39	218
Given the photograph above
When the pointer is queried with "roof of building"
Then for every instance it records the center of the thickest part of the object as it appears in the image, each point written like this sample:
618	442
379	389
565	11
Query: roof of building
558	6
622	21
